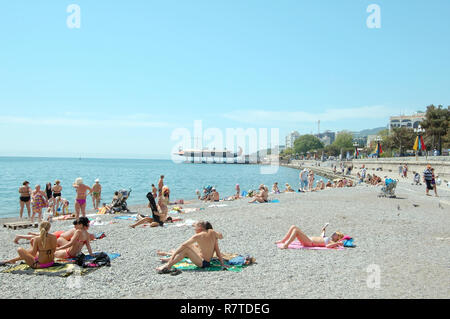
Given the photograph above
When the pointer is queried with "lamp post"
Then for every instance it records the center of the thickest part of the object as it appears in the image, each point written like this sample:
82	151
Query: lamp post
419	130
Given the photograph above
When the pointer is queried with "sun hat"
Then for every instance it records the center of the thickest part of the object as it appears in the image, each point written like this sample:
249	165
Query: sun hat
97	180
79	181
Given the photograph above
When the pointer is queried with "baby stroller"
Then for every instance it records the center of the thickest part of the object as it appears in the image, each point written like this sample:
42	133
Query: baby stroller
119	204
389	189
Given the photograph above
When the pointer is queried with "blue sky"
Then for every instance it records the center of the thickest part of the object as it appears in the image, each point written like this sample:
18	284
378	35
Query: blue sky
137	70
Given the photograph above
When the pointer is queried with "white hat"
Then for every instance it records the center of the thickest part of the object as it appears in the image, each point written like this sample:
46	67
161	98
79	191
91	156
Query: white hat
97	180
79	181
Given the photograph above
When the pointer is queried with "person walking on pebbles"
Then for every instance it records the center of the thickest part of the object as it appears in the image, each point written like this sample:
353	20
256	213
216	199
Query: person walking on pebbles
96	194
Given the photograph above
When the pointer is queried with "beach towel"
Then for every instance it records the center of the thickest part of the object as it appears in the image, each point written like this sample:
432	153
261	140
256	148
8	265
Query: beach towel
187	265
270	201
58	270
297	245
100	235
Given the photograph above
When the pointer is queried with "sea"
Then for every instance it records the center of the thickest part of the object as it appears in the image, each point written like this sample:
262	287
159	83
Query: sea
183	179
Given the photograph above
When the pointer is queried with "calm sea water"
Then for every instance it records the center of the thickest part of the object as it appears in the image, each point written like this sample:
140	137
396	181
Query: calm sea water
114	174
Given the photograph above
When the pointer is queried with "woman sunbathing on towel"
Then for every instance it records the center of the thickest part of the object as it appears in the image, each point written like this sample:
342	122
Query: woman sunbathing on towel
80	238
294	232
207	243
42	253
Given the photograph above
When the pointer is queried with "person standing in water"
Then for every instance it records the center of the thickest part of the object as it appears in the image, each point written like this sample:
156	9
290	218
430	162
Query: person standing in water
160	185
25	198
96	194
80	201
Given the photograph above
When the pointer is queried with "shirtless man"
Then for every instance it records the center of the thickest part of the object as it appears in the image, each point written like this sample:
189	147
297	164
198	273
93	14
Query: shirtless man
56	189
96	194
160	184
214	196
25	198
80	202
207	243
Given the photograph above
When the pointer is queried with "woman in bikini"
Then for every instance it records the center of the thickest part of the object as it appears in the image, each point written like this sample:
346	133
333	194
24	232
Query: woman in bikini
294	232
25	198
159	216
38	202
63	237
80	201
42	253
57	188
80	238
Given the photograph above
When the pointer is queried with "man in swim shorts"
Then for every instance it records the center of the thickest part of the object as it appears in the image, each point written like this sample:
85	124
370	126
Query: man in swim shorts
96	194
206	240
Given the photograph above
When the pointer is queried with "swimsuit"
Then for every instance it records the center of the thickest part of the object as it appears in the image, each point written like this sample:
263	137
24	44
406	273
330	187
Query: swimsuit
25	199
96	195
58	233
38	202
81	201
36	264
56	195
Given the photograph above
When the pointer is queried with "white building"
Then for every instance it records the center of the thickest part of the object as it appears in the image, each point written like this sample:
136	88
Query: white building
290	139
411	121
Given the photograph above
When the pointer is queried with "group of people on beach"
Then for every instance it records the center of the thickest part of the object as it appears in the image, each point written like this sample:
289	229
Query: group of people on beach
36	200
45	247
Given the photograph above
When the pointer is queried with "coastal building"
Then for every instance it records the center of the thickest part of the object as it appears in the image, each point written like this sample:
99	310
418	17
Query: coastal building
411	121
290	139
326	137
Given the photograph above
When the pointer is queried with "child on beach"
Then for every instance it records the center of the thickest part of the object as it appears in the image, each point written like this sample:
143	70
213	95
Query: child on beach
275	188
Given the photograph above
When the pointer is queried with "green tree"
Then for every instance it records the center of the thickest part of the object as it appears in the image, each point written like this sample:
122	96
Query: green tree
401	139
436	125
306	143
331	150
344	140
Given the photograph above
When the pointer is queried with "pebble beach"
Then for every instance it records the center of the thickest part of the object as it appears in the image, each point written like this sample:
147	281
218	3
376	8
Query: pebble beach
406	239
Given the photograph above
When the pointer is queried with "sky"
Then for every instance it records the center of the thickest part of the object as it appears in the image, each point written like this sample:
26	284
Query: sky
135	72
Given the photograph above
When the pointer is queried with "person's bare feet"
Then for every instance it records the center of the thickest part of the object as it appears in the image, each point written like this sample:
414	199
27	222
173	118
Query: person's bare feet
285	246
16	240
164	260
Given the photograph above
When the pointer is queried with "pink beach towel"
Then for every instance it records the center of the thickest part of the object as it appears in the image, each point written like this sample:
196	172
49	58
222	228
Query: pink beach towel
297	245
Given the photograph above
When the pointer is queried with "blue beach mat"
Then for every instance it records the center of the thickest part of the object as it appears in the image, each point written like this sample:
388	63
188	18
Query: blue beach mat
270	201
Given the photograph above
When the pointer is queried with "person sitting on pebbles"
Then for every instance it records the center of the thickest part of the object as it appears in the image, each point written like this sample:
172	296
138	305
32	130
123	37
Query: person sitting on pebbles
288	188
207	244
79	239
42	253
214	196
63	237
262	196
334	241
159	215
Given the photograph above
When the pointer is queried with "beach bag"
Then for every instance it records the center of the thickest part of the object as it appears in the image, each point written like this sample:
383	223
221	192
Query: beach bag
101	259
79	259
349	243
